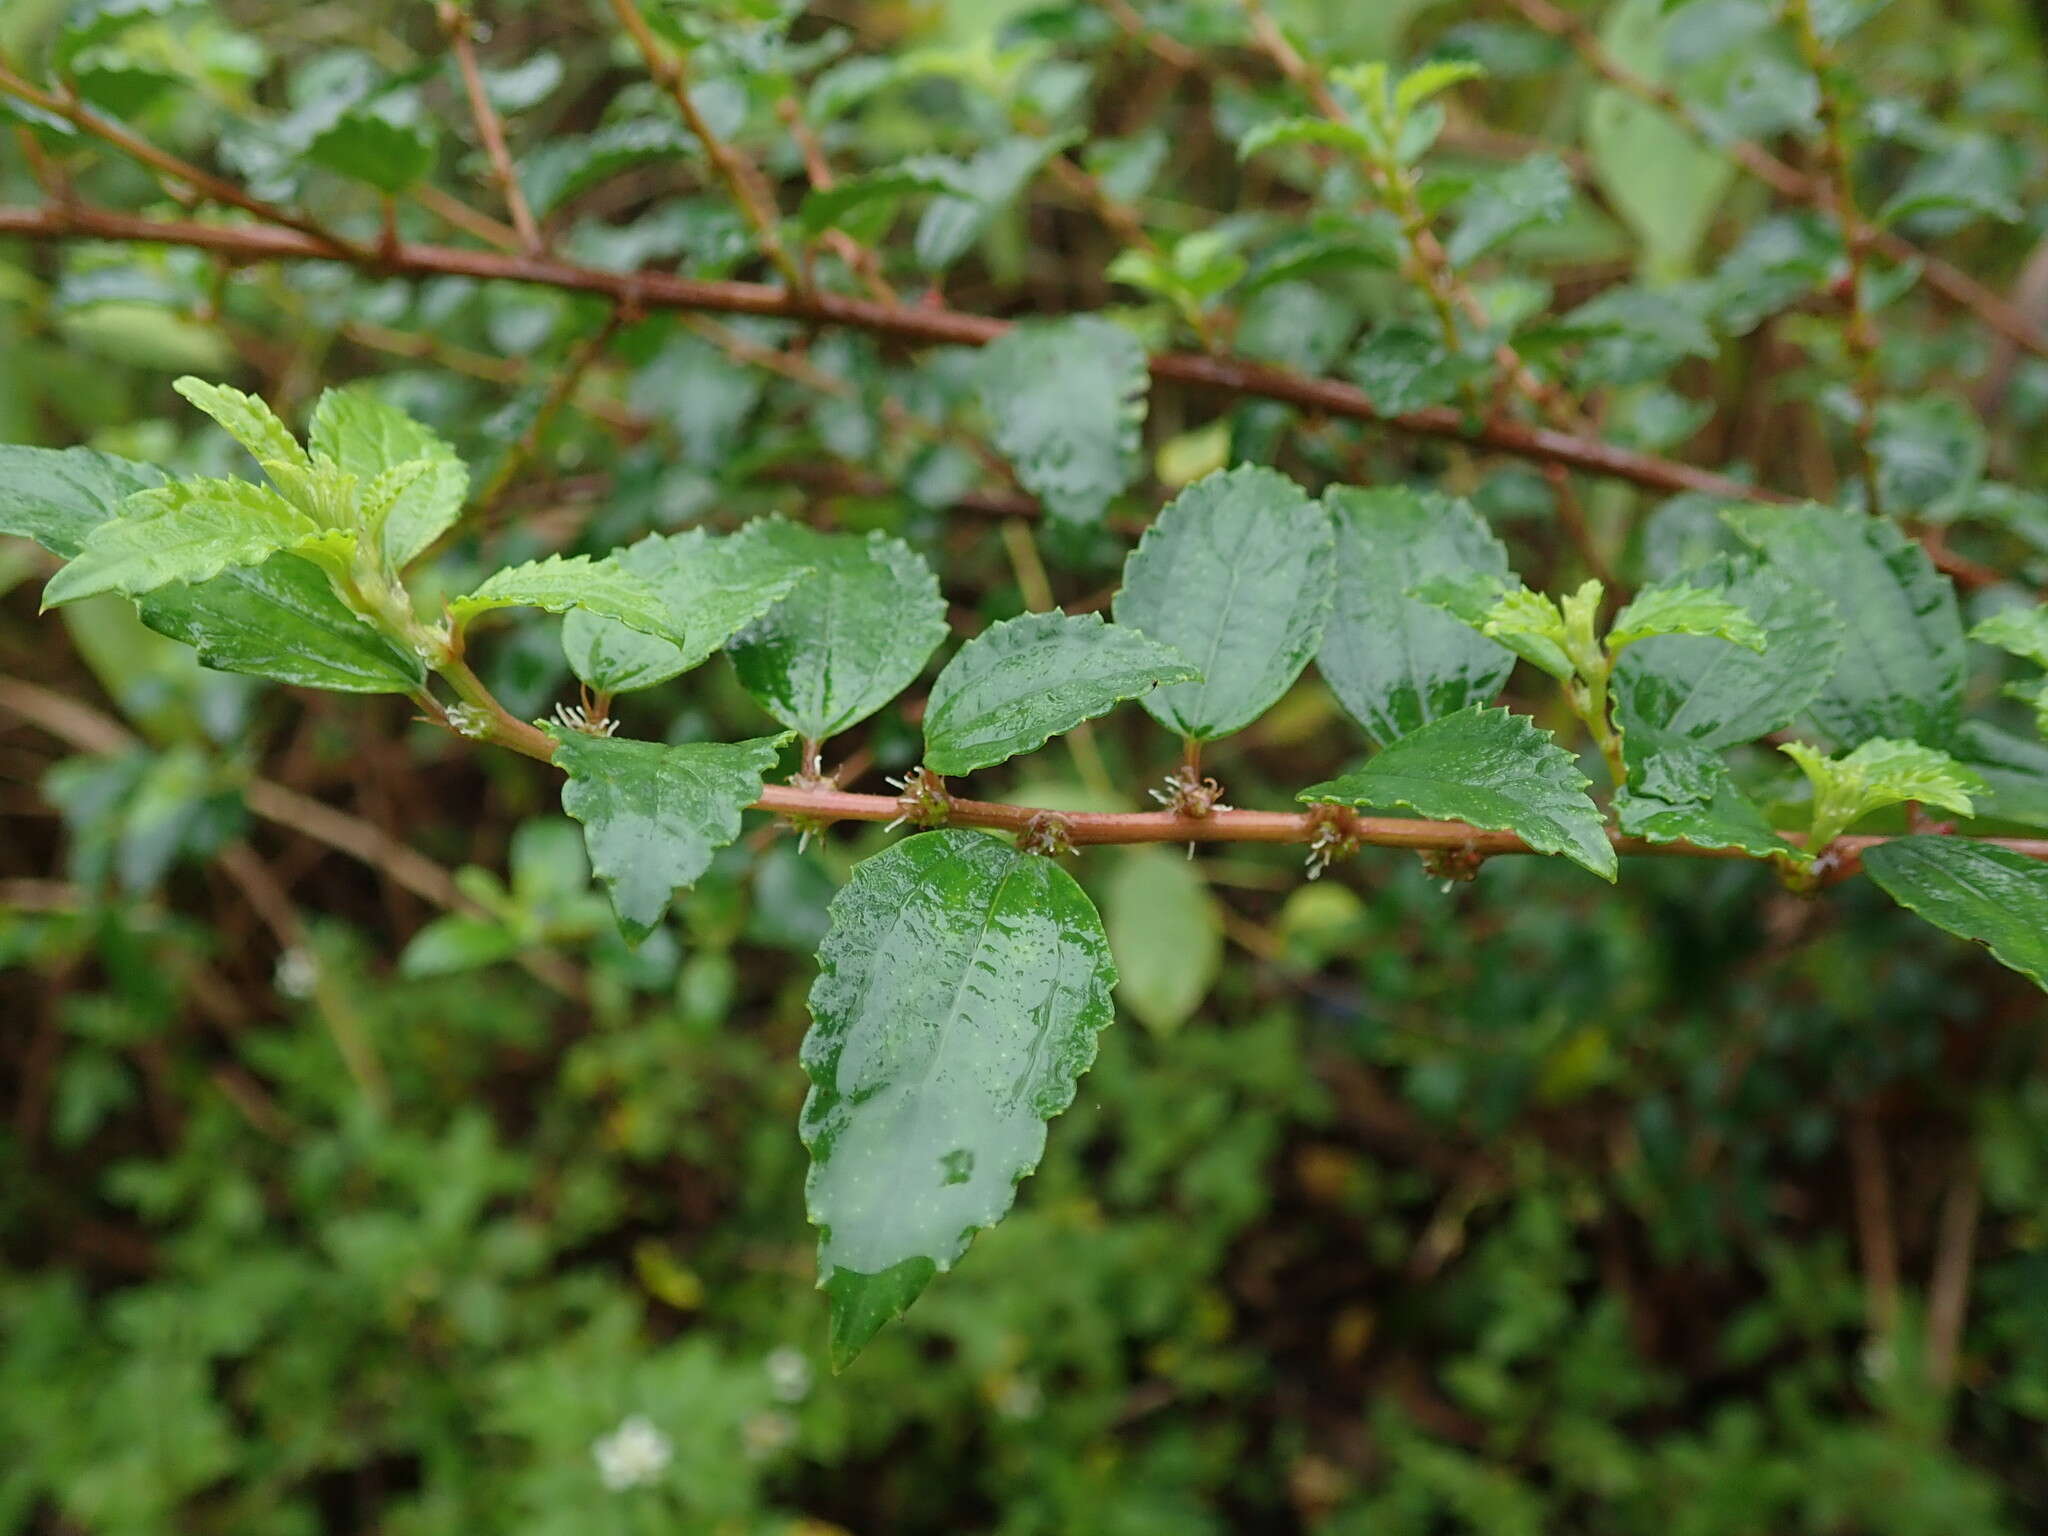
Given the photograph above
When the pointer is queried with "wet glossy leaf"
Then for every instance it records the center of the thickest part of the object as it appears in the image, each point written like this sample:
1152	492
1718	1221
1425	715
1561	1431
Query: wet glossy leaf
1166	932
571	163
1901	670
1680	792
1877	774
1534	191
1235	575
1019	683
369	438
653	815
982	187
1718	694
848	638
560	583
278	620
1989	895
1683	609
711	587
1395	662
1065	400
1492	769
958	997
188	531
248	420
367	147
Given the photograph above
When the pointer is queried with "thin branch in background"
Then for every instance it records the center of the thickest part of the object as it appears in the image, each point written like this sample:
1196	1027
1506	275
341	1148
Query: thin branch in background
456	27
742	179
1944	277
1948	1287
1860	330
566	380
861	259
1877	1241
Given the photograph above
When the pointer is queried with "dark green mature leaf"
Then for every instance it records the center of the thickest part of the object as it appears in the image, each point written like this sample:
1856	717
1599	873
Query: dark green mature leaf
982	188
1901	671
1930	454
1492	769
390	156
279	620
1395	662
1977	891
2014	770
570	163
848	638
958	997
711	587
188	531
835	206
1405	368
368	439
1678	791
1717	694
653	815
1537	190
1065	401
1235	575
560	583
1017	684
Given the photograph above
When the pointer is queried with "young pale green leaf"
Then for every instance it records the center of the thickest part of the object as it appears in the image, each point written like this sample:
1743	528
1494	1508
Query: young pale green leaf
248	420
1065	401
1235	575
1717	694
456	942
959	993
1433	79
1680	609
368	439
1977	891
1492	769
188	531
653	815
1500	608
711	587
1877	774
560	583
1166	933
2021	631
278	620
1679	792
1019	683
1395	662
1901	670
1286	132
848	638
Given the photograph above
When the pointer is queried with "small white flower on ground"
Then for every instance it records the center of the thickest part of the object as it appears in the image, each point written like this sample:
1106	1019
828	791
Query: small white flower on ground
1019	1397
297	974
764	1434
633	1455
789	1374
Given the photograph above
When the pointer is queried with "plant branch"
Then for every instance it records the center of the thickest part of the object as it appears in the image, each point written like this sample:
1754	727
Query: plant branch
912	324
455	24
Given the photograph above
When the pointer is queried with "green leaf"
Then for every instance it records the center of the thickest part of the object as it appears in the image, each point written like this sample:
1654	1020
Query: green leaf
1019	683
390	156
834	206
560	583
1930	454
1404	368
1679	792
1719	695
457	942
247	420
1877	774
1492	769
278	620
1683	609
710	587
1065	401
92	23
1166	932
1286	132
1663	183
1395	662
187	531
2014	770
1534	191
653	815
1528	623
368	439
1977	891
958	997
1901	672
571	163
983	187
2021	631
1235	575
1432	79
849	637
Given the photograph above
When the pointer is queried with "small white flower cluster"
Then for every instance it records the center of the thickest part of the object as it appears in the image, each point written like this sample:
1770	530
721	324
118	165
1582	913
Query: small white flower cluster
789	1374
576	718
297	973
633	1455
467	720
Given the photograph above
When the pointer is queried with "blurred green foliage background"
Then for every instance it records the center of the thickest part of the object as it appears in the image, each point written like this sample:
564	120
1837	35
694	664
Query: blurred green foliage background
1389	1210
